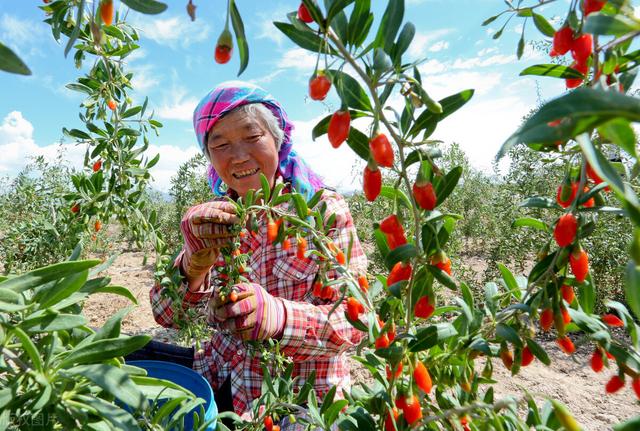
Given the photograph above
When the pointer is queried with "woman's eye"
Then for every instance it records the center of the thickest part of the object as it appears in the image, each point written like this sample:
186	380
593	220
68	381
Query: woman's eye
220	146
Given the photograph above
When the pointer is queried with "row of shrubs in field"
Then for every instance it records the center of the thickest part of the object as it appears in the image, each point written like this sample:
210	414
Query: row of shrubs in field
37	227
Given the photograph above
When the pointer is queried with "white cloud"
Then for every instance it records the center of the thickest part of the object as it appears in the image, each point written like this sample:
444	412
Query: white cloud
22	35
443	85
299	59
177	105
423	41
175	32
171	157
17	146
474	62
439	46
145	77
264	24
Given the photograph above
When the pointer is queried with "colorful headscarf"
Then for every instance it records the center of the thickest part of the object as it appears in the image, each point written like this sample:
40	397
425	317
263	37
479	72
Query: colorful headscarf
232	94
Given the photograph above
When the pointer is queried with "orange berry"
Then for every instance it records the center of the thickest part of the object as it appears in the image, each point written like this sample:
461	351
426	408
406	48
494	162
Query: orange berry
97	226
112	104
614	385
612	320
363	283
546	319
422	377
527	356
566	345
597	363
567	293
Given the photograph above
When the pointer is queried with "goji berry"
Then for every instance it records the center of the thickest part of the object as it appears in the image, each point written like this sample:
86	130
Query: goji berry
567	293
422	377
97	165
303	14
566	194
442	261
546	319
363	283
506	357
382	342
302	248
562	40
372	182
398	371
400	271
566	317
317	289
591	173
582	47
566	345
424	308
612	320
327	292
565	230
614	385
112	104
527	356
381	150
589	203
224	47
319	86
354	308
609	355
340	257
106	11
392	332
339	127
412	410
391	225
97	226
581	67
389	421
286	244
276	428
233	296
465	423
75	208
579	262
424	195
635	384
268	423
597	364
272	231
591	6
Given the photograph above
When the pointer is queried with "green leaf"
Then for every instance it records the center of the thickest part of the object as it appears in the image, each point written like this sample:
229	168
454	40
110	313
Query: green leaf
632	424
520	49
359	143
402	253
620	132
76	29
448	184
510	281
52	322
300	205
530	222
552	70
404	40
600	164
148	7
615	25
539	202
10	62
632	288
336	7
360	22
538	351
449	104
389	25
117	290
431	335
112	379
61	290
582	109
102	350
81	88
119	418
507	333
40	276
29	347
304	39
350	90
393	194
444	278
543	25
540	268
241	39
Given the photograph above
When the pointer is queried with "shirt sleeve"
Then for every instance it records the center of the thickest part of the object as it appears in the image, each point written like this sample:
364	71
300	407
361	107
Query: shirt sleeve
310	331
162	300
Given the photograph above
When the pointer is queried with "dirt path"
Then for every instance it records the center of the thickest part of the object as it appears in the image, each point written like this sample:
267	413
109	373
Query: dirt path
569	379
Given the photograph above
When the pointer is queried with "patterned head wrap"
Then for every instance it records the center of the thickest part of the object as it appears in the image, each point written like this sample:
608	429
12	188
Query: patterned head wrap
233	94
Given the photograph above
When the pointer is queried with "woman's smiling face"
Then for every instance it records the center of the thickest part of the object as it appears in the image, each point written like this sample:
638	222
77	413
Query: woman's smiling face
240	148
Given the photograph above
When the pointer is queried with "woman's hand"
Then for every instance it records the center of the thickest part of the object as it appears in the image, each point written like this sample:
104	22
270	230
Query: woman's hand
206	228
255	315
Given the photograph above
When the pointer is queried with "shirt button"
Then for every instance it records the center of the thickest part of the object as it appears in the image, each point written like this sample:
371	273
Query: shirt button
239	352
299	274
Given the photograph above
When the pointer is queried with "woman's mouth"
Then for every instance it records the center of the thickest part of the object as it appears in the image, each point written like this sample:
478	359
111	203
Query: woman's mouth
246	173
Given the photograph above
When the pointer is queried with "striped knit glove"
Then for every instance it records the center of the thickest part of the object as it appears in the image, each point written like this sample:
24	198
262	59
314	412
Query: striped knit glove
205	228
255	315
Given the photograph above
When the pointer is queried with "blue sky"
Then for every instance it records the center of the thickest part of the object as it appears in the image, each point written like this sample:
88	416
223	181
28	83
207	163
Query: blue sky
175	67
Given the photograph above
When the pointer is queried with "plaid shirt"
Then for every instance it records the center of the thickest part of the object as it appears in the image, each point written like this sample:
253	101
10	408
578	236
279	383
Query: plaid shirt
314	340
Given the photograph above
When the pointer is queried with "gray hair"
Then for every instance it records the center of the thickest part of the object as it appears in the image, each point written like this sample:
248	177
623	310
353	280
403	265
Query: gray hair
265	116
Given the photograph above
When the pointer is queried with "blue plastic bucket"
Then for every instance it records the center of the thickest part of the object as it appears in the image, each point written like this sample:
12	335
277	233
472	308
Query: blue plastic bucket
188	379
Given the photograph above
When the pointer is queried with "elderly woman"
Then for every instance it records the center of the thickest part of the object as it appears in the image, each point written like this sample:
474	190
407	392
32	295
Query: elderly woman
244	132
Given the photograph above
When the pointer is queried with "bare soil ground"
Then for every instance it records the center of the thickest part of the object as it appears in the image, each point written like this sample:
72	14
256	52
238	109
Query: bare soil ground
569	379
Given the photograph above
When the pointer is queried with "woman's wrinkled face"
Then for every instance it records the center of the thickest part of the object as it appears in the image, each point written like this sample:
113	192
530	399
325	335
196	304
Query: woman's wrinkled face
240	148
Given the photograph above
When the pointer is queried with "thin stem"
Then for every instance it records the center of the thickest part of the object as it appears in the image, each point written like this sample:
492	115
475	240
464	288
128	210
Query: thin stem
15	359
